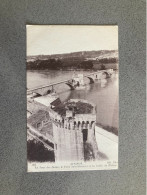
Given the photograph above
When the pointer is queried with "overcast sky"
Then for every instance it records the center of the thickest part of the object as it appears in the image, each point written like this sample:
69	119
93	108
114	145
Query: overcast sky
57	39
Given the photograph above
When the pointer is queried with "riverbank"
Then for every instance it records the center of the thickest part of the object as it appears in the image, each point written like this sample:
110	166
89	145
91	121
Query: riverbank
108	128
107	144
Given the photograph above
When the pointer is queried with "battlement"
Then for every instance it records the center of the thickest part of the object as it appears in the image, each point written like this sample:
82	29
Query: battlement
75	114
73	125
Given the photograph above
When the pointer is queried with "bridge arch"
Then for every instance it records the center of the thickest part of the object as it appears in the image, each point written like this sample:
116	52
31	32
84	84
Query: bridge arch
107	74
70	85
91	79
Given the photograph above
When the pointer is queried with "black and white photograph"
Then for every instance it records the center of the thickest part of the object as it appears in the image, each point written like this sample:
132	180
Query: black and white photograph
72	97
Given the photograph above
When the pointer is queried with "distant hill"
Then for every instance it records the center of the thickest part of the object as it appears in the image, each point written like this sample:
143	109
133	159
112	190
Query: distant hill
81	55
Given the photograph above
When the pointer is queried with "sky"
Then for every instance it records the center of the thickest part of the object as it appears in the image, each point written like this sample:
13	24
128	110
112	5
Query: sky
59	39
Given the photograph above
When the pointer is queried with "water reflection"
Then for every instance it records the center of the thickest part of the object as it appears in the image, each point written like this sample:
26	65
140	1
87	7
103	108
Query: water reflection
103	82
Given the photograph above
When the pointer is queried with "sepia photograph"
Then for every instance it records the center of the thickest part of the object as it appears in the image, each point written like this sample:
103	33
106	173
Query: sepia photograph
72	97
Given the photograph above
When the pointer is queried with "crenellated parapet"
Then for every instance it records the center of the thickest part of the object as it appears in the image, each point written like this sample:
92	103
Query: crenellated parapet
75	125
72	119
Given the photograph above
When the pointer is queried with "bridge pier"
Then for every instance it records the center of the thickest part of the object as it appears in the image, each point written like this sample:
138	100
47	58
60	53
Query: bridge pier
77	82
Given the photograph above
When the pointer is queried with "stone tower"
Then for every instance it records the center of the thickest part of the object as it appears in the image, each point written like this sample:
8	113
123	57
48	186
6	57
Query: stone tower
74	131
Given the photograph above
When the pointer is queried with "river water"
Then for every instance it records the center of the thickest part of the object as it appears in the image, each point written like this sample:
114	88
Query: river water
103	94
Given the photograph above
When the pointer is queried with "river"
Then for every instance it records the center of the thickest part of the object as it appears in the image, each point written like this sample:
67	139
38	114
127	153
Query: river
103	94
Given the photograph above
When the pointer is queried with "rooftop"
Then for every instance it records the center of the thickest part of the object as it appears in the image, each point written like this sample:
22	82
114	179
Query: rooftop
78	107
34	107
39	115
46	129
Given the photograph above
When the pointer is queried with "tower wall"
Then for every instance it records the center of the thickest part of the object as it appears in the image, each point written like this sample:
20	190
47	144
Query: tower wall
68	143
72	132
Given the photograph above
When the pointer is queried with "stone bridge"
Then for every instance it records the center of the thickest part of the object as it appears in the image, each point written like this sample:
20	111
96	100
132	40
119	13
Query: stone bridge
47	89
99	75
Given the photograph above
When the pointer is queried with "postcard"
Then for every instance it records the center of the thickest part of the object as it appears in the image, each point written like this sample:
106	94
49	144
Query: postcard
72	97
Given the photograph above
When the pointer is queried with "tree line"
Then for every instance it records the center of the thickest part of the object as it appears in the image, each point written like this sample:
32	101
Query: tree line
65	64
108	60
53	64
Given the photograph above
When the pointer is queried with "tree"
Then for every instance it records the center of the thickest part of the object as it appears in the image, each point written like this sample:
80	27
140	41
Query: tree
103	67
86	65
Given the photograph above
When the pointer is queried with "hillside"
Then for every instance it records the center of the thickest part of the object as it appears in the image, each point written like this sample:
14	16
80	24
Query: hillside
80	54
76	60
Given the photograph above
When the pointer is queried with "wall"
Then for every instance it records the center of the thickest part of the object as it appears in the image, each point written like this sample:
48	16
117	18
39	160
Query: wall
69	144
